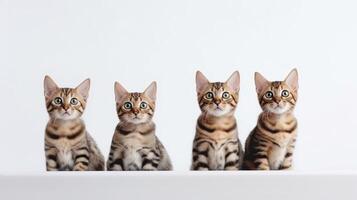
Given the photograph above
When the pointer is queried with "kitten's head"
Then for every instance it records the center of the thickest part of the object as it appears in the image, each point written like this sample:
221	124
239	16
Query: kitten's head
65	103
277	97
135	107
218	99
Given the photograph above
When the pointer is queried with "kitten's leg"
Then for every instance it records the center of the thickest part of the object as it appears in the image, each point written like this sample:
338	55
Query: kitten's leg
150	159
232	156
200	156
81	158
115	161
287	164
260	157
51	159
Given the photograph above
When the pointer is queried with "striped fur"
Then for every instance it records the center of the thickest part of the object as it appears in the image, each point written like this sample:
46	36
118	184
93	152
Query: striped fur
216	145
68	146
135	146
270	146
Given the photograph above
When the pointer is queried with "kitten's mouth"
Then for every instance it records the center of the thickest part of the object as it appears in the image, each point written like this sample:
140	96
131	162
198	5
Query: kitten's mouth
66	113
218	108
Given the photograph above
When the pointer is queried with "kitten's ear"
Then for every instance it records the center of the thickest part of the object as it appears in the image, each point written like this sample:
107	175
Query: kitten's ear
201	82
260	82
83	88
151	91
234	81
49	86
119	91
292	80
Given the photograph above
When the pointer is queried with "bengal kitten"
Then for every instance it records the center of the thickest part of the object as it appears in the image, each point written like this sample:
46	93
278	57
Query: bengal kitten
216	145
68	145
135	146
271	144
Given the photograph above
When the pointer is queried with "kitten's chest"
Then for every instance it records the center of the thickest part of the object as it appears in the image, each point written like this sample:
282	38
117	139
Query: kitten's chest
65	155
217	155
135	144
277	153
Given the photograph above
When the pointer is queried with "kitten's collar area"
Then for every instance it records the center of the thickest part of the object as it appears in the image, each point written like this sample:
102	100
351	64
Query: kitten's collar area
221	115
64	121
211	117
131	124
269	114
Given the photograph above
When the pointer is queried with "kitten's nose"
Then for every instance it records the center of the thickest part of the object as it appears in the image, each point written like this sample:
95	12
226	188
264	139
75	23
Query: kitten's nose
136	111
66	108
217	102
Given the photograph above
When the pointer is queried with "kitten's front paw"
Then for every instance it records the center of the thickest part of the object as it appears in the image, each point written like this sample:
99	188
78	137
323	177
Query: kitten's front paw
80	167
133	167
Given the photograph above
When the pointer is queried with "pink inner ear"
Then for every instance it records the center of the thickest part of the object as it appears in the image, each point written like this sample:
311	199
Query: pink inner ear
201	82
151	91
49	86
293	80
120	92
260	82
234	81
83	88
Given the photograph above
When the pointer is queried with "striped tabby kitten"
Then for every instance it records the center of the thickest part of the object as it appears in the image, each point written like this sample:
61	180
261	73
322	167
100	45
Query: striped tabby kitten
216	145
271	144
68	145
135	146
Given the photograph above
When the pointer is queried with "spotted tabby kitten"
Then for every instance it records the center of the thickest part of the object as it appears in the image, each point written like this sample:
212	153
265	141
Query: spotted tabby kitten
216	145
68	145
271	144
135	146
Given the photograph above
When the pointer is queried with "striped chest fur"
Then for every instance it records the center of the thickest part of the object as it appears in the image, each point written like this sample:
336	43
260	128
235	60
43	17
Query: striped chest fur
65	136
216	137
281	132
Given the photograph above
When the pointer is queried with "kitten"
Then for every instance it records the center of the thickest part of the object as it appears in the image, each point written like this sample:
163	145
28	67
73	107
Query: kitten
271	144
135	146
216	145
68	146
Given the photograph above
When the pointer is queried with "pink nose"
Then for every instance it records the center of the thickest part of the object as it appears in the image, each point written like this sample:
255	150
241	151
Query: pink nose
217	102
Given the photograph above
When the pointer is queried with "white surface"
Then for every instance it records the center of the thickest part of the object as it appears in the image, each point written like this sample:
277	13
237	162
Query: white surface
163	185
136	42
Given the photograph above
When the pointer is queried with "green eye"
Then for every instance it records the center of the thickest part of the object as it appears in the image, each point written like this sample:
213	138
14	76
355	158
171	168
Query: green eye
209	95
226	95
143	105
57	101
269	95
285	93
74	101
128	105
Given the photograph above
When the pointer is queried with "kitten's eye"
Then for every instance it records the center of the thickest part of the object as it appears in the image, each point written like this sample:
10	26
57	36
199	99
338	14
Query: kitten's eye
285	93
57	101
226	95
209	95
128	105
269	95
74	101
143	105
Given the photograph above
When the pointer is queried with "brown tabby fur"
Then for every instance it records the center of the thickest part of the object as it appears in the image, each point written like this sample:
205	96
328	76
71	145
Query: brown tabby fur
216	145
68	145
270	146
135	146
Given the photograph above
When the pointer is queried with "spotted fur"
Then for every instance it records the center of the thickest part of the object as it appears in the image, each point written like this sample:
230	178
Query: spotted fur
270	146
135	146
68	146
216	145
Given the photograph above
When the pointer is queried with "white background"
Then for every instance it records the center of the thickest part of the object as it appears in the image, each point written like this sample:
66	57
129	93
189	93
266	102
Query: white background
138	41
